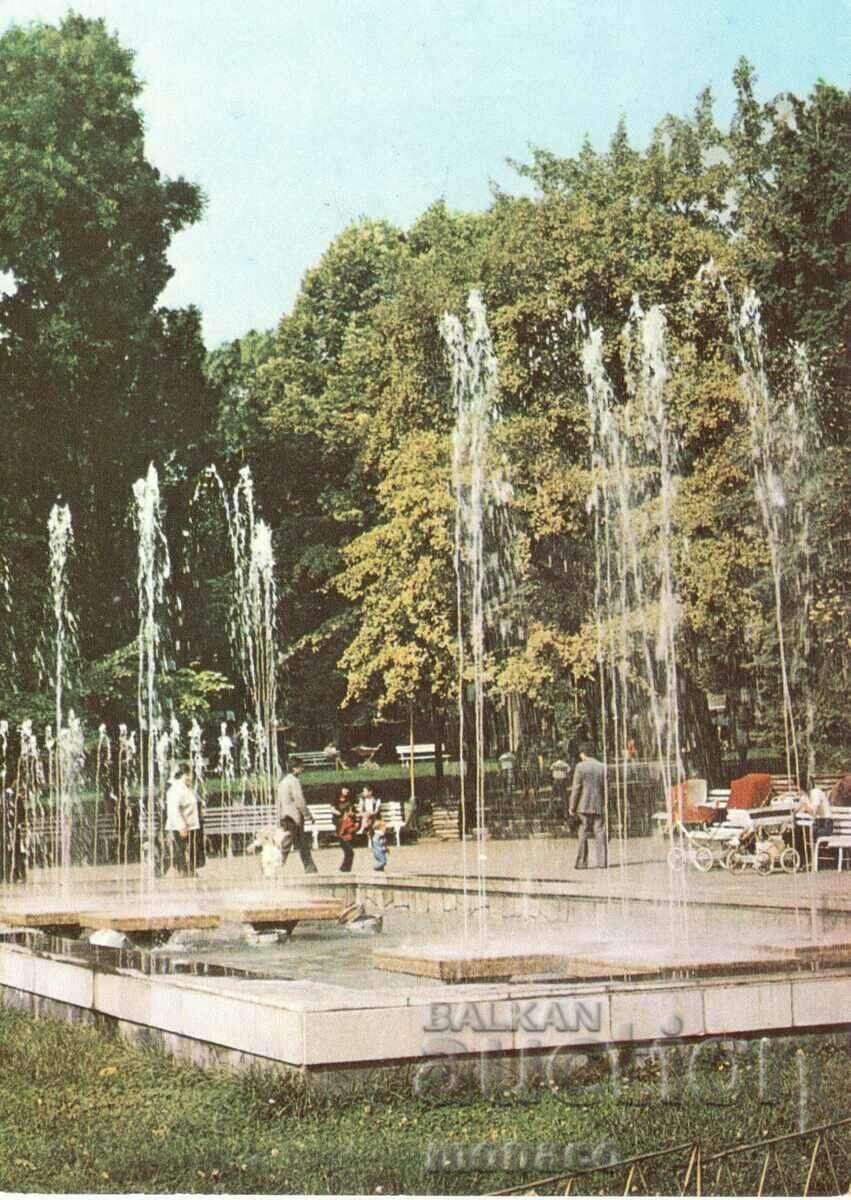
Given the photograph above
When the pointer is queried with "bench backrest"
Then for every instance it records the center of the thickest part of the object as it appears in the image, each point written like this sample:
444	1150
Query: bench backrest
240	818
841	818
314	758
423	751
321	816
826	782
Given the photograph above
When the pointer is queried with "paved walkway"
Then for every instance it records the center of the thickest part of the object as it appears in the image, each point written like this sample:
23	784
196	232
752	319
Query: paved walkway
638	870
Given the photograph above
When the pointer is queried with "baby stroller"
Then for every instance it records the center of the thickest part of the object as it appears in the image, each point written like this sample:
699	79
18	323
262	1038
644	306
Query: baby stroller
764	854
702	848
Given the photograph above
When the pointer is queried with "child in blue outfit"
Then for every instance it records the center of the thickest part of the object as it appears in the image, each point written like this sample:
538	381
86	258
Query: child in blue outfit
379	846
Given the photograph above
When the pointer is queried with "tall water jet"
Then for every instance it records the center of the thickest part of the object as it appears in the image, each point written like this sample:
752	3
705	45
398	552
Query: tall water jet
103	763
253	622
484	544
633	452
783	450
126	782
65	773
154	569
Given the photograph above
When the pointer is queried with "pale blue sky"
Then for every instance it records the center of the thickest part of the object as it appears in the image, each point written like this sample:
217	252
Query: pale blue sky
298	116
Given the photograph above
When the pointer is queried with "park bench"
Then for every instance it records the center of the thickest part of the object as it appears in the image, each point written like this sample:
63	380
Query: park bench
424	752
254	818
313	758
227	819
93	841
839	840
322	820
393	817
782	784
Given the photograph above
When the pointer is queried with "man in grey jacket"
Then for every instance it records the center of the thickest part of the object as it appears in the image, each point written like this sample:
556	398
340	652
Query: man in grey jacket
292	814
588	799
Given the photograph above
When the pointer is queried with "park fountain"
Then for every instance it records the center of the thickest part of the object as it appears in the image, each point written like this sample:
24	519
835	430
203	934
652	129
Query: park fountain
555	964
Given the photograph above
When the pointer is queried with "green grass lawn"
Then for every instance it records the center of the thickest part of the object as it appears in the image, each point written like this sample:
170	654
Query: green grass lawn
82	1112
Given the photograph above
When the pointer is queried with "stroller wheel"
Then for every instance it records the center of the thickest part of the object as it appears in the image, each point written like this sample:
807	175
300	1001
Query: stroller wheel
790	860
764	864
703	858
677	858
734	862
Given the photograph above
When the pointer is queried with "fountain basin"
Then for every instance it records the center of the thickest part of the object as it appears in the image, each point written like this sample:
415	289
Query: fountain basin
317	1007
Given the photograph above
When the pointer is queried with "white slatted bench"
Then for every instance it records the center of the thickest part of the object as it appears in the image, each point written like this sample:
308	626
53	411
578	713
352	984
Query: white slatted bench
839	840
254	818
424	752
321	819
48	827
312	758
227	819
782	785
393	818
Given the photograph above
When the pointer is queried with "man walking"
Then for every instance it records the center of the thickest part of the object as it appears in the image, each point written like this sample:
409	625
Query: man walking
292	813
588	799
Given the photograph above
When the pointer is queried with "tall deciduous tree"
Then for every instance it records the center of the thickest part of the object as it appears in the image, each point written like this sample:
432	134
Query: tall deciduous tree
793	160
85	225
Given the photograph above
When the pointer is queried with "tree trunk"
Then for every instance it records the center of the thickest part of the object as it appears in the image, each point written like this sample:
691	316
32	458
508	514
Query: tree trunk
699	730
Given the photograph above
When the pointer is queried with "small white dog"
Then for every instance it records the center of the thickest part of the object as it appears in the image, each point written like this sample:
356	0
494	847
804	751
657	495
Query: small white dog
269	843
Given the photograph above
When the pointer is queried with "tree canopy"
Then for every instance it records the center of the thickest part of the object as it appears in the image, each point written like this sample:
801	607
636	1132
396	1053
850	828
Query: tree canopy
344	412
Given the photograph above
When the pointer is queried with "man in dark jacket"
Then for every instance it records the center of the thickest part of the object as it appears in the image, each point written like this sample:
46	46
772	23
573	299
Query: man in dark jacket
588	799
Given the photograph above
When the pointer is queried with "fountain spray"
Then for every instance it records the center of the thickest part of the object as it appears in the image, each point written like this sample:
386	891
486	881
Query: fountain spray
253	623
634	485
783	449
68	745
154	569
484	560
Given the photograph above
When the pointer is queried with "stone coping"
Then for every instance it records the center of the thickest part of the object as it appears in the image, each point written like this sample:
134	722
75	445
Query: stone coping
312	1026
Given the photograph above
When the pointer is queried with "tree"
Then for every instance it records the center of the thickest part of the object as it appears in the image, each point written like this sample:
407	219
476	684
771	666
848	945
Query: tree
85	224
399	575
793	210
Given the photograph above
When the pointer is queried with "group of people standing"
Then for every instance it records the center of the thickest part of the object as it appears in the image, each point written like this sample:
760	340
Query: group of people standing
184	822
352	820
360	819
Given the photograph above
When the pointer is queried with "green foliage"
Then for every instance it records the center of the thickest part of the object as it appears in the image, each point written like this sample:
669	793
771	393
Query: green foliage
194	691
85	225
110	685
343	413
793	167
400	575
